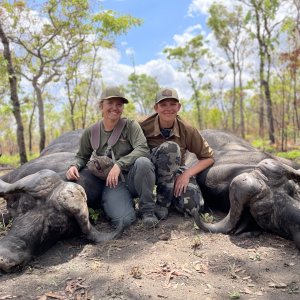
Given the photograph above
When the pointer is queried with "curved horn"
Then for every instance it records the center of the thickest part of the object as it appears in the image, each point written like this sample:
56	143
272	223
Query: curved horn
292	173
98	237
39	184
276	169
224	226
238	198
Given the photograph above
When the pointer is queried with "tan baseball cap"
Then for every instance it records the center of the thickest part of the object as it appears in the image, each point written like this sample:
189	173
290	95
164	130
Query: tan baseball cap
166	93
113	92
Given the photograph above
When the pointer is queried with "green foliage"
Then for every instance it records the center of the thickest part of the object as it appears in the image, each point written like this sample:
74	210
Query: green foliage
130	111
189	58
208	218
226	25
214	118
234	295
293	154
3	227
14	160
95	214
110	22
141	90
263	145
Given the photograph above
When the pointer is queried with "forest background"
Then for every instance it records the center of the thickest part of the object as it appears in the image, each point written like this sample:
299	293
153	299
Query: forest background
244	78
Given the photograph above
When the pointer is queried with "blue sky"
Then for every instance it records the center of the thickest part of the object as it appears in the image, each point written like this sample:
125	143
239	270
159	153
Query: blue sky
162	19
165	23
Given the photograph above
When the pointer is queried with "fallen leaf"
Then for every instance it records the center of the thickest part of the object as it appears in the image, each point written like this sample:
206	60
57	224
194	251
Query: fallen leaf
201	268
52	296
136	273
277	285
7	297
247	291
260	293
238	270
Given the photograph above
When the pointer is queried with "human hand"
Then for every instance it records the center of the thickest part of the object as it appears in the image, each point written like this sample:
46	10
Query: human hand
72	173
181	184
113	176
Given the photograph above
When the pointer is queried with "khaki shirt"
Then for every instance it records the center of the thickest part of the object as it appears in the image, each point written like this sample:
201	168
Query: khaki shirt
186	136
131	145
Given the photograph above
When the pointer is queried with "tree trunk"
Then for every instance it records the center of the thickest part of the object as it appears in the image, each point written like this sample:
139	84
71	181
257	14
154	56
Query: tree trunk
40	105
198	107
295	98
14	97
72	104
234	96
266	85
269	112
241	96
30	127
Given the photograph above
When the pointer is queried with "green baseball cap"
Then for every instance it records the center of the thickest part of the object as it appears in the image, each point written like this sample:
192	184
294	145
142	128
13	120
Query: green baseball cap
166	93
113	92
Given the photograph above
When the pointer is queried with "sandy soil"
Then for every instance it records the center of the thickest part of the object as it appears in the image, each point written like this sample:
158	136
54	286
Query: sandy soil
173	261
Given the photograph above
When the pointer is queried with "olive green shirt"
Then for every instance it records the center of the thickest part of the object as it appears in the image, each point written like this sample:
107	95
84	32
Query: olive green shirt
131	145
187	137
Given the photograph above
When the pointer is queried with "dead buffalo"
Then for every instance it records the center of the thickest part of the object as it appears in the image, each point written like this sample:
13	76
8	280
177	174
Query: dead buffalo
252	185
45	208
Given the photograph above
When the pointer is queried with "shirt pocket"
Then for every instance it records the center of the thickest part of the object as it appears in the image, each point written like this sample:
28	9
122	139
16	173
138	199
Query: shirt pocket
123	147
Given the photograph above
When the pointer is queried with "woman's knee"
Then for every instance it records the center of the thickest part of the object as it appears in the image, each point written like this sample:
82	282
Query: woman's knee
169	147
143	162
126	220
143	166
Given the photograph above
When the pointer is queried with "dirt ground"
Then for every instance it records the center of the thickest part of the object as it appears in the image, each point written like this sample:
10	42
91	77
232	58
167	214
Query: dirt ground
172	261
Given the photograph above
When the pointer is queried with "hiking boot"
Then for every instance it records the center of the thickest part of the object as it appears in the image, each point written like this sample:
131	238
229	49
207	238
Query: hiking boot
161	212
149	219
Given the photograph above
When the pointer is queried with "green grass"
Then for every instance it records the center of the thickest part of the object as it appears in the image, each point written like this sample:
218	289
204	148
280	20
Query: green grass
14	160
234	295
263	145
293	154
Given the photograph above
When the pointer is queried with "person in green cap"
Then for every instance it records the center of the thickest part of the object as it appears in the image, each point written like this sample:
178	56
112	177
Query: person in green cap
169	138
131	171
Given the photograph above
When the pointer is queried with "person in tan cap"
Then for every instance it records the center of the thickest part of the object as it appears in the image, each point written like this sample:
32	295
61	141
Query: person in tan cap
169	138
131	171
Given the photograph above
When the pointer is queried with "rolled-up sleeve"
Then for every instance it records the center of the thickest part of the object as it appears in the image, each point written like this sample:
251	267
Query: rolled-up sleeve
199	146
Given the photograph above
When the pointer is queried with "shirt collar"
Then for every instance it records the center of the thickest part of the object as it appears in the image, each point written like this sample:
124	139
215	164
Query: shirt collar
175	129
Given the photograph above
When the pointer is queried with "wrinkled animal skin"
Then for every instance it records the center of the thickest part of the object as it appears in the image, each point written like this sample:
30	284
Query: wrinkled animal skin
241	179
45	208
246	182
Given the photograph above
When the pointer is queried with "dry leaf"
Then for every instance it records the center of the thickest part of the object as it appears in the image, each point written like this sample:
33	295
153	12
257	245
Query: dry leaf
247	291
201	268
136	273
279	285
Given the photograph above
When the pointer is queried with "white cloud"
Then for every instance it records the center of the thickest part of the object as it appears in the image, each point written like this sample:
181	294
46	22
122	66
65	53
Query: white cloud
189	33
115	73
129	52
202	6
167	76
